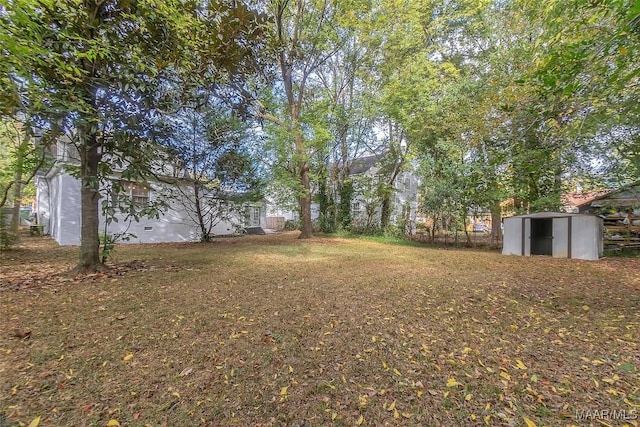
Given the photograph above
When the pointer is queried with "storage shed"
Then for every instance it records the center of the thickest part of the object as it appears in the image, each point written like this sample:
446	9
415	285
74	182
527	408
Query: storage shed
561	235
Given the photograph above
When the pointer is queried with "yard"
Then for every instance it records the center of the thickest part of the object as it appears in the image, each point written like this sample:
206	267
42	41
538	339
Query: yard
271	330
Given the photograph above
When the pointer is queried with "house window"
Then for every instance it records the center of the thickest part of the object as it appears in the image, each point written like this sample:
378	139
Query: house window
138	193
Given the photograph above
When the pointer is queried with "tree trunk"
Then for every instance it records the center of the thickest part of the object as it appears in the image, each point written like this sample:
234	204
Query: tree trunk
305	203
385	210
345	189
89	196
204	236
496	222
466	230
17	195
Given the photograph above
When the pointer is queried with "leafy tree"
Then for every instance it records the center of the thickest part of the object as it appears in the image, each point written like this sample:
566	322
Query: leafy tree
586	68
347	92
102	66
305	36
20	159
211	145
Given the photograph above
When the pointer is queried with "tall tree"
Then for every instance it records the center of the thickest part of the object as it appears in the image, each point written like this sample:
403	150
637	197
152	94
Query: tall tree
20	159
210	145
102	65
347	91
305	36
586	68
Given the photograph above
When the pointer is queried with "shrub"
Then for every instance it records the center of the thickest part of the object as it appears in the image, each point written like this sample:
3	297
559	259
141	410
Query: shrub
292	225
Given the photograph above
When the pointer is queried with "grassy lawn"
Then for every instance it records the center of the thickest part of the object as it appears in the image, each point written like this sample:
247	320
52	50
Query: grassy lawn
270	330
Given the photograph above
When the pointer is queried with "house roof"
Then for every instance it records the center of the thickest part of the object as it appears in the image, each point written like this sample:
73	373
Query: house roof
579	198
363	164
627	196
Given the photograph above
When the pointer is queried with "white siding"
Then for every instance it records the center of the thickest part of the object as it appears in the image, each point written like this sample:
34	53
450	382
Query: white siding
512	244
586	237
560	247
66	207
59	211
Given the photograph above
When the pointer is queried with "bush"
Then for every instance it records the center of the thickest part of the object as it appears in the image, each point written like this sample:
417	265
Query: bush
292	225
365	228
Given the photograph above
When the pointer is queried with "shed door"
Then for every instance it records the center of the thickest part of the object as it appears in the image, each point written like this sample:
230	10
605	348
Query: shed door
541	236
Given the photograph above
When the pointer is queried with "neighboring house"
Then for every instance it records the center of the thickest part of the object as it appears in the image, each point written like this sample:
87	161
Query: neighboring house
365	202
58	208
578	201
623	200
620	211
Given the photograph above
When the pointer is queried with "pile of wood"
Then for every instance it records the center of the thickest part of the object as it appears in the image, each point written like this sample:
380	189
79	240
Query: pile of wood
622	230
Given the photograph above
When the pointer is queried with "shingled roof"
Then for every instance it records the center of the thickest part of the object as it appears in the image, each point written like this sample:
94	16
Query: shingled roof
363	164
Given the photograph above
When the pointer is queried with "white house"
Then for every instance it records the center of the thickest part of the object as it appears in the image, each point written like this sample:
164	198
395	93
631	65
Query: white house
365	202
365	205
58	208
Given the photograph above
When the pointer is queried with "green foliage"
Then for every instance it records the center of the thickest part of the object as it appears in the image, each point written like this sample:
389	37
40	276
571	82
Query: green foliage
586	71
326	221
213	148
20	159
291	225
103	71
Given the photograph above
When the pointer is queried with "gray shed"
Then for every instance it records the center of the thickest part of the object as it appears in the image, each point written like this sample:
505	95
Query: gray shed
561	235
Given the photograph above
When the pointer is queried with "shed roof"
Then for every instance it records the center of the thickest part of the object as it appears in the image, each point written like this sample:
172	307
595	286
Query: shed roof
548	215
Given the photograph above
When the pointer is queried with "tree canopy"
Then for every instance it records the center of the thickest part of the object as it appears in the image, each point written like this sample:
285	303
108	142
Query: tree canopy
490	100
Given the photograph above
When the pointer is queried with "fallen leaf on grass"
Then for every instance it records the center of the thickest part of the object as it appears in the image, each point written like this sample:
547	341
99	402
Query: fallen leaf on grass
451	382
113	423
128	357
185	372
528	422
34	422
363	400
